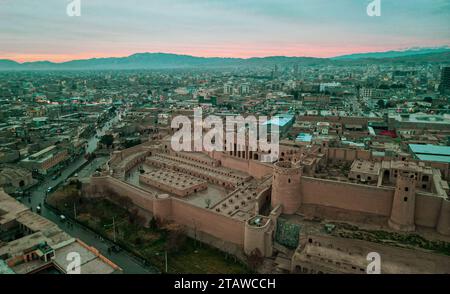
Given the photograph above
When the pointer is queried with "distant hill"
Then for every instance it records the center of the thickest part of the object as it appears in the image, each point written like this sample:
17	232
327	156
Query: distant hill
5	63
443	57
157	61
175	61
394	54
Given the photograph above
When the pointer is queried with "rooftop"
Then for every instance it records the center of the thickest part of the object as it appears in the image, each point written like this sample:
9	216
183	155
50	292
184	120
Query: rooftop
280	120
431	152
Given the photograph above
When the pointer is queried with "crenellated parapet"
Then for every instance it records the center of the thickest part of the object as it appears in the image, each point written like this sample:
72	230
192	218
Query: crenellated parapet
286	168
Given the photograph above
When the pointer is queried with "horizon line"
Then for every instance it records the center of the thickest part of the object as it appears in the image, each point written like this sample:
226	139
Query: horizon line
223	57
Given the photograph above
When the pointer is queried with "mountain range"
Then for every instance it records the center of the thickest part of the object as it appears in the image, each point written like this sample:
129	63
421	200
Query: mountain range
174	61
394	54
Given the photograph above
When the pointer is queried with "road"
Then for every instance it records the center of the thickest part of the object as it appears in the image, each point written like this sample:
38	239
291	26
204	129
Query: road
123	259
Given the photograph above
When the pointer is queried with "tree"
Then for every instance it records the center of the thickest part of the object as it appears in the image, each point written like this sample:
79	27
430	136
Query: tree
381	104
131	143
428	99
113	109
135	218
153	224
107	140
176	238
255	259
207	202
390	104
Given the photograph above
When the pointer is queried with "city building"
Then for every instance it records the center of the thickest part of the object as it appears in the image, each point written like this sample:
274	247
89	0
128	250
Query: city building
31	244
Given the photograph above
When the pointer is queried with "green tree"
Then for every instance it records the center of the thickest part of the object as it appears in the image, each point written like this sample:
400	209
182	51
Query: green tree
153	224
107	140
428	99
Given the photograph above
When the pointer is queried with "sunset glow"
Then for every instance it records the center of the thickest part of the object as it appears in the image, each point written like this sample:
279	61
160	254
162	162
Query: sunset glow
35	31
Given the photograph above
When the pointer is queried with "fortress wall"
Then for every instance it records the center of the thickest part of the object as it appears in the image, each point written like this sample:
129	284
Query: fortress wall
115	158
363	154
215	155
258	169
262	199
196	218
129	151
235	163
120	155
427	210
254	168
347	196
210	222
443	226
141	198
348	154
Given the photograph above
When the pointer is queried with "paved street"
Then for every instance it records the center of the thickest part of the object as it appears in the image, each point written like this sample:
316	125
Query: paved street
38	193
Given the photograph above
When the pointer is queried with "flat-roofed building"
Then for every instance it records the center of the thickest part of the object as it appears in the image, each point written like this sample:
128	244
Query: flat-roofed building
46	160
174	182
13	178
435	153
365	171
30	244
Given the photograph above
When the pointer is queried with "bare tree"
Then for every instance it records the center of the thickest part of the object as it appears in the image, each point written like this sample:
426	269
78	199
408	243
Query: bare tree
255	259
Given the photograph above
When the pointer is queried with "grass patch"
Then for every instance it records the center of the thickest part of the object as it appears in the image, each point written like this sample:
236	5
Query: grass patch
189	256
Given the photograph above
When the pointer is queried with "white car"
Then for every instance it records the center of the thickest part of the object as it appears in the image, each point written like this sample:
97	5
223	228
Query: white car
62	218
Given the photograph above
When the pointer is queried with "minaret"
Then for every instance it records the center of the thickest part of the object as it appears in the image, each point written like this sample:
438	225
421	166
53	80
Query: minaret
404	203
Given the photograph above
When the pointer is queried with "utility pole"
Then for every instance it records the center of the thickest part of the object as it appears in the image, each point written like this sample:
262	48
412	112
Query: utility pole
114	229
195	233
166	259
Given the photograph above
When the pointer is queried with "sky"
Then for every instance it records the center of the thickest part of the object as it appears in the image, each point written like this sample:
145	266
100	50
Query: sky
32	30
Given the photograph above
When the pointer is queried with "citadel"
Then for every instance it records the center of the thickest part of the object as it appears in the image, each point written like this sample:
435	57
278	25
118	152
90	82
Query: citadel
286	211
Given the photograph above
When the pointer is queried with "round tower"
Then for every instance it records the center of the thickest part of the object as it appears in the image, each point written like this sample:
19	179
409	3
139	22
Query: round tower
258	233
286	183
404	203
162	207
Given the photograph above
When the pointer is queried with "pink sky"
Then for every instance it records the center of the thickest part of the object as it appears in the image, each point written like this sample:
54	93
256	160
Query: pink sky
42	30
226	51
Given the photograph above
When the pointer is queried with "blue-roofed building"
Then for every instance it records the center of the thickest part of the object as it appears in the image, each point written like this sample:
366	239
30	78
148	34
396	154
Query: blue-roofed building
283	121
304	138
435	153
